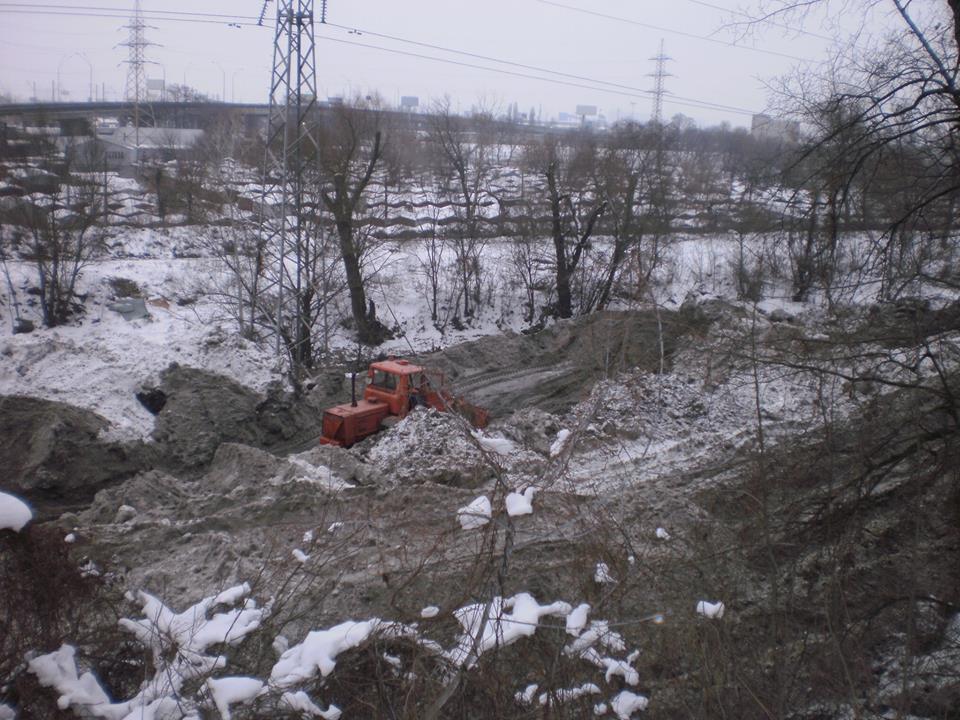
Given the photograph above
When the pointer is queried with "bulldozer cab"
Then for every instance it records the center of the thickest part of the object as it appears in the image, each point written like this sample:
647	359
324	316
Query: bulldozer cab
384	380
393	382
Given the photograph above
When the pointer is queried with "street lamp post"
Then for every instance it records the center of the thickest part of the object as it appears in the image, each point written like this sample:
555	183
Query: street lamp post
233	84
223	73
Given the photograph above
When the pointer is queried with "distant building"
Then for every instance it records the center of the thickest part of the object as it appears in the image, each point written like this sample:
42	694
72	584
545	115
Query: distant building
156	89
125	147
764	127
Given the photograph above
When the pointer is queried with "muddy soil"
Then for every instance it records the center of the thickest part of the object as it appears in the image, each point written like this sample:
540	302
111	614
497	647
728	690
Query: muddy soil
52	454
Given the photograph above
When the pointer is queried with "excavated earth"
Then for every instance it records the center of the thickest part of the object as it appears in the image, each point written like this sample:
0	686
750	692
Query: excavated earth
662	411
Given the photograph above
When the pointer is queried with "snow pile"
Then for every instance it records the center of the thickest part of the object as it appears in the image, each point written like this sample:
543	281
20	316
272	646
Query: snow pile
99	363
601	574
599	637
14	513
178	642
496	445
301	469
476	514
499	628
232	691
627	703
577	619
560	443
426	446
520	503
557	696
318	652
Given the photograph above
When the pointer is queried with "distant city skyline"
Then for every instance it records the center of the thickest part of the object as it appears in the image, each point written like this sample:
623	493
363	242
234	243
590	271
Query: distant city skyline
602	53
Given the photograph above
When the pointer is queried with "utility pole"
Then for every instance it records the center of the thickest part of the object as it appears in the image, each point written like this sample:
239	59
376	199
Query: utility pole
136	90
658	91
293	97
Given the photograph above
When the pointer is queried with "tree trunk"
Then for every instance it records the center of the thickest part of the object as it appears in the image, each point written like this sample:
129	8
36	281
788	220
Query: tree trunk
351	266
564	301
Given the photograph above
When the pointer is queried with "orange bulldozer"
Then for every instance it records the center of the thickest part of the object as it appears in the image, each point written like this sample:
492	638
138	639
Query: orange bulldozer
394	388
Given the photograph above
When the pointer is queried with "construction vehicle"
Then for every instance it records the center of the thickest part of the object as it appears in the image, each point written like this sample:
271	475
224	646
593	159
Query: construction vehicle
393	389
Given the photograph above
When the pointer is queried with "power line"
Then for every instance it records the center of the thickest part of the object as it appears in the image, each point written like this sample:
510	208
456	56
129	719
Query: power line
511	63
106	8
637	93
146	15
583	82
682	33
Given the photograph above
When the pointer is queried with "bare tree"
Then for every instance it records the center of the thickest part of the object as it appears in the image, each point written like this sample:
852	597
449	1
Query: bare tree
350	147
61	231
574	208
467	154
898	106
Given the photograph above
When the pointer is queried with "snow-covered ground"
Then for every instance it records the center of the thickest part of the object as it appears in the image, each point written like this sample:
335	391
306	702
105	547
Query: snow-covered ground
99	360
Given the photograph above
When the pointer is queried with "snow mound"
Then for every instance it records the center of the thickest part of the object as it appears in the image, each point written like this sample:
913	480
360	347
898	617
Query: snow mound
14	513
427	446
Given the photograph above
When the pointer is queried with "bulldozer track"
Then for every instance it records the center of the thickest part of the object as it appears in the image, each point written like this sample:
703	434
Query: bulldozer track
485	379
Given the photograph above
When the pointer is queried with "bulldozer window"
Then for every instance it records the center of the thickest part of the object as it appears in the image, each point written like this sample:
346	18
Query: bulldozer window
384	380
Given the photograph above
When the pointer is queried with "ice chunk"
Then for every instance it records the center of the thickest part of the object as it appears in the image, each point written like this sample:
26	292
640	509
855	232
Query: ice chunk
711	610
431	611
662	534
300	555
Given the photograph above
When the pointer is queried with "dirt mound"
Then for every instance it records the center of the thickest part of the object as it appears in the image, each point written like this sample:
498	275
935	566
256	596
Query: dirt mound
556	367
427	446
203	410
52	453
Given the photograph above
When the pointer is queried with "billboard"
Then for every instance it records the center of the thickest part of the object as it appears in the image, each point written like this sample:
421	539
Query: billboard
586	110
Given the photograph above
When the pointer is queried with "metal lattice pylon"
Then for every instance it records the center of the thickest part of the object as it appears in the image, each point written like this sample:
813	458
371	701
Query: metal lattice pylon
293	90
658	90
136	89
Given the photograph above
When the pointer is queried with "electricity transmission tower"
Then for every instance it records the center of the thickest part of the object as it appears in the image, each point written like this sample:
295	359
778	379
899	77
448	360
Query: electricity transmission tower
658	91
136	90
283	232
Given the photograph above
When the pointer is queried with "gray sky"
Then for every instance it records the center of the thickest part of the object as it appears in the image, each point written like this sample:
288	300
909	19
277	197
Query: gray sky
211	56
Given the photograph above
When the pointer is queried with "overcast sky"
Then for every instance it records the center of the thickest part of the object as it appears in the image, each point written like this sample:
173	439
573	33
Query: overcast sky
216	58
